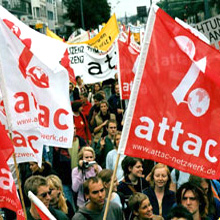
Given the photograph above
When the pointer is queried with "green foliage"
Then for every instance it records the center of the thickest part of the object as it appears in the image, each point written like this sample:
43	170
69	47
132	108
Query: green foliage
95	12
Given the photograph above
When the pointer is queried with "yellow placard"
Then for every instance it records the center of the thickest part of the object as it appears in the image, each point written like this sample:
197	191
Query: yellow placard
53	35
104	39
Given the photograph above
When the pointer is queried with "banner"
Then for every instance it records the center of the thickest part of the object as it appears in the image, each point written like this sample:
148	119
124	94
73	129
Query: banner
46	49
174	111
90	64
50	33
8	193
211	29
127	57
105	38
25	148
36	98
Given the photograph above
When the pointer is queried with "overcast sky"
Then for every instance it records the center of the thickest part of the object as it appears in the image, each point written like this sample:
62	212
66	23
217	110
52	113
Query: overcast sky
119	7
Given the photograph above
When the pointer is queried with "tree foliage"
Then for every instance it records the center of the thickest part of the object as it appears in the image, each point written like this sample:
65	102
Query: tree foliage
95	12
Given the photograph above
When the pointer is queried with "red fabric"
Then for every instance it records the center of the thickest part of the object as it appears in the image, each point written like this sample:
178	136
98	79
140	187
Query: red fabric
82	128
8	192
127	57
42	215
181	133
86	108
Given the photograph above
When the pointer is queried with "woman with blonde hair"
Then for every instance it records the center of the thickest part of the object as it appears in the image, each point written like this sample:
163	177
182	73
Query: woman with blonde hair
141	207
58	201
87	167
161	198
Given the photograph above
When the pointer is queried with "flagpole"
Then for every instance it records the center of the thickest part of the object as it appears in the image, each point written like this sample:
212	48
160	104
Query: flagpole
111	187
19	186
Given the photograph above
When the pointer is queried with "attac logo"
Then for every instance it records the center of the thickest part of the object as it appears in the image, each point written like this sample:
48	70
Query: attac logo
16	30
198	100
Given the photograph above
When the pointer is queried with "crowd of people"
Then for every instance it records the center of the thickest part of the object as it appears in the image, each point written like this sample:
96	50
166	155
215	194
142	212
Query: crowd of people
74	183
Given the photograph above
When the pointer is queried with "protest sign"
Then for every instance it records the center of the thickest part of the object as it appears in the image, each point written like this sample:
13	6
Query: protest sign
36	99
174	108
127	57
8	192
105	38
26	145
211	29
90	64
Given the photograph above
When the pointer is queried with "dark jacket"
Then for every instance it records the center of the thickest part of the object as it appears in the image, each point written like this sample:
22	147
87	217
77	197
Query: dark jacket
168	201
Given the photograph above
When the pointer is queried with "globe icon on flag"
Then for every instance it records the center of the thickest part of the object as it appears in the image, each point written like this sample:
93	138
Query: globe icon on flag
198	102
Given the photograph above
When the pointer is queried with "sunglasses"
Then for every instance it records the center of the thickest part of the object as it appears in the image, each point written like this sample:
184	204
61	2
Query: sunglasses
43	195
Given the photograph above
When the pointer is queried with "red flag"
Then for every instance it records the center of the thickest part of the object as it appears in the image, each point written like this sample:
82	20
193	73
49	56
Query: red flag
8	192
174	110
127	58
41	208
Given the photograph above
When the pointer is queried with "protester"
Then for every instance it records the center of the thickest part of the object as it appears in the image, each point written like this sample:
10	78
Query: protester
83	172
107	87
58	201
80	122
111	158
106	176
86	105
79	88
179	212
96	88
77	145
141	207
39	187
106	143
213	203
94	209
94	110
101	121
45	169
133	180
71	93
117	106
162	199
192	197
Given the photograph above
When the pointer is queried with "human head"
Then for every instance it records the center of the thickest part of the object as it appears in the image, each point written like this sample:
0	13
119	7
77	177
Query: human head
106	176
94	191
192	197
76	106
70	86
179	212
160	167
86	153
39	187
33	166
104	106
97	87
57	196
117	92
140	206
117	139
97	98
206	186
84	97
111	127
128	163
78	80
